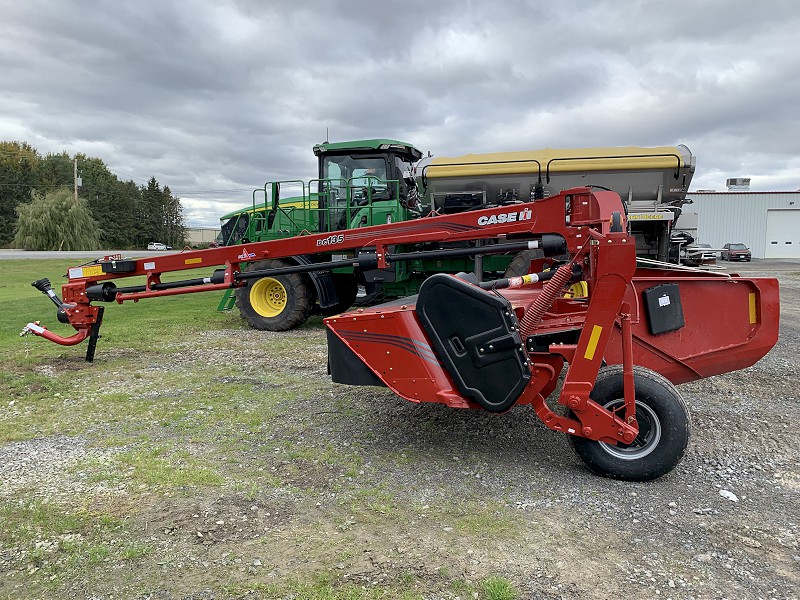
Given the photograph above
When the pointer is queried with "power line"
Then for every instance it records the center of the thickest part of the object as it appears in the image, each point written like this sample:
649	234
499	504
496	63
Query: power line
227	191
124	175
34	185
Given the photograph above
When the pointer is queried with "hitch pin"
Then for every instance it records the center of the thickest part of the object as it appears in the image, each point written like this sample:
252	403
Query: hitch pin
31	328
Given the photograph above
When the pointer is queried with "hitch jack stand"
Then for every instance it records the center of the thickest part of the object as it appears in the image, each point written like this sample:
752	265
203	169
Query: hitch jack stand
94	335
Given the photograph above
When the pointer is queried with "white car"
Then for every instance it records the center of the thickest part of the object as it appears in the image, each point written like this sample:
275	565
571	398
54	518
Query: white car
700	254
158	246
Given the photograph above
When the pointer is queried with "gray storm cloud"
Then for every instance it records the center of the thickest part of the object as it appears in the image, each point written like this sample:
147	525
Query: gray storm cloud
215	98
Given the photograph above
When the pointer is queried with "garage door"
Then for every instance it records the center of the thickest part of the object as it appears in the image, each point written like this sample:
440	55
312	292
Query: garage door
783	234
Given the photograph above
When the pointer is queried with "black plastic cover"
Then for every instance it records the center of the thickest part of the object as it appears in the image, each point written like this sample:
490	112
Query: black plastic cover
663	307
460	202
476	335
118	266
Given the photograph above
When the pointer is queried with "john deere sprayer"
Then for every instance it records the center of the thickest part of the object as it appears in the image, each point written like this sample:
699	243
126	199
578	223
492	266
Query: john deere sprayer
381	181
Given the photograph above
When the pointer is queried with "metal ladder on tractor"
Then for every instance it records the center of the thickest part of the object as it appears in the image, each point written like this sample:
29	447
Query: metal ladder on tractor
227	301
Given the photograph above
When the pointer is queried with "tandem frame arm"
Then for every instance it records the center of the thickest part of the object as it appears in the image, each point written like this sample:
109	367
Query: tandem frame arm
613	263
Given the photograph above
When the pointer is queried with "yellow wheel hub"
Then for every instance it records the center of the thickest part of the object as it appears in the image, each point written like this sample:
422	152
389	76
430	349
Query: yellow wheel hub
268	297
578	289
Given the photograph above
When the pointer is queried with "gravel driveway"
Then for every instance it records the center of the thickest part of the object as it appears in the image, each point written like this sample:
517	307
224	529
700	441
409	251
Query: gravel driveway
395	498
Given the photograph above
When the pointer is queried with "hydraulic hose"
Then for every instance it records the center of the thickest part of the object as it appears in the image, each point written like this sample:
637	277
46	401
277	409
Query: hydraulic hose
550	290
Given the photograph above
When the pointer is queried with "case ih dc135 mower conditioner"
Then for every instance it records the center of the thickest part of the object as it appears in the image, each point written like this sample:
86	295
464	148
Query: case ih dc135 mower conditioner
618	350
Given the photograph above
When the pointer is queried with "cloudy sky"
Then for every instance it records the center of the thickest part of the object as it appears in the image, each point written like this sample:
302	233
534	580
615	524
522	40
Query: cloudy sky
214	98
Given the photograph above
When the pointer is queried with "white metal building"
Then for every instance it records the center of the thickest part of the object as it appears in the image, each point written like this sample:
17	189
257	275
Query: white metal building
201	235
768	222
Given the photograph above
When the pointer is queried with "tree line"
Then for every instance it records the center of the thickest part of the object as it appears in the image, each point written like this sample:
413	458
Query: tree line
38	210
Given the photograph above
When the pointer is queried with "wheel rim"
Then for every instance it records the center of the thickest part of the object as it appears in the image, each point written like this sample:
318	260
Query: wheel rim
649	433
268	297
577	290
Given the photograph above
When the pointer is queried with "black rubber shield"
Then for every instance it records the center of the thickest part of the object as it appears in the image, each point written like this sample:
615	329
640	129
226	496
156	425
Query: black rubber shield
344	366
475	334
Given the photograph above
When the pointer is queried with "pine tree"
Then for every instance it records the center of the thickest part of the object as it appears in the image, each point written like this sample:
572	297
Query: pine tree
173	220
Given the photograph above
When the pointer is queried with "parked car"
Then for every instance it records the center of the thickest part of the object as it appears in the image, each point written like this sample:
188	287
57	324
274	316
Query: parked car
158	246
700	254
736	252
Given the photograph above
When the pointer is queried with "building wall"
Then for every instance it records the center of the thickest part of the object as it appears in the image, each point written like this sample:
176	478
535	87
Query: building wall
201	235
738	216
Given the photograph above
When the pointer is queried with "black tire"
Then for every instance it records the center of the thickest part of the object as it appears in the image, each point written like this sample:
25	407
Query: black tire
521	263
664	428
275	303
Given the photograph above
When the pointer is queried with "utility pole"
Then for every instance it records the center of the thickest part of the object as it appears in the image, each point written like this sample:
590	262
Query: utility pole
75	178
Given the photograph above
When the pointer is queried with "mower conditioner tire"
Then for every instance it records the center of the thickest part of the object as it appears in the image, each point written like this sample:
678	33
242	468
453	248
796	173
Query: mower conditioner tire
664	427
276	303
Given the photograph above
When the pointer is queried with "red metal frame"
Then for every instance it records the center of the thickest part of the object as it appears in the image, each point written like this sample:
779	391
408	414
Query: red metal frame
520	220
391	342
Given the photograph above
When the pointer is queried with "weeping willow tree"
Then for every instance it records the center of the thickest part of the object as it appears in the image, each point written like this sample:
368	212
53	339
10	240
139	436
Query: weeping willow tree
55	221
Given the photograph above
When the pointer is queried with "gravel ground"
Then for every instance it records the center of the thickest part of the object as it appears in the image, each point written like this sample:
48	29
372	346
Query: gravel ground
724	524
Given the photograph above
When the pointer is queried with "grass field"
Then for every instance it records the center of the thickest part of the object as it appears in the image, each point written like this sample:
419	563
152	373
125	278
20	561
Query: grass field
198	459
187	458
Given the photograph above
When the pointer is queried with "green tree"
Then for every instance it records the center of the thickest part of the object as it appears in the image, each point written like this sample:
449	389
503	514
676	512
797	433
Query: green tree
159	216
55	221
111	206
175	232
125	227
149	214
54	171
18	162
126	215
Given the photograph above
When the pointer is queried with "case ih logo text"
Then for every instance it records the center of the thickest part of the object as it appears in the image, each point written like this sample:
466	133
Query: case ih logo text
245	255
512	217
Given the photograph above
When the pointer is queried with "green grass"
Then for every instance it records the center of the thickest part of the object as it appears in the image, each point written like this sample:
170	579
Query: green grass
48	537
160	468
327	587
137	325
171	433
498	588
324	589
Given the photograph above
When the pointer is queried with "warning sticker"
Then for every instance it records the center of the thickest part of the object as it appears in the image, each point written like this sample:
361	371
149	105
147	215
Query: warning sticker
81	272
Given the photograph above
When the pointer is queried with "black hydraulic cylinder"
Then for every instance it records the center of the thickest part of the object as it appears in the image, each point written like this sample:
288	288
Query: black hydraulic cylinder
107	292
43	285
500	284
550	245
362	262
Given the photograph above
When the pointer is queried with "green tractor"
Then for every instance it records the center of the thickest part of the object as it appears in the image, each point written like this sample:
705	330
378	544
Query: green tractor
361	183
374	182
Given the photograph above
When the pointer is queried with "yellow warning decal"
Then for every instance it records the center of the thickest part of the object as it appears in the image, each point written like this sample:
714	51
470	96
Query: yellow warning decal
753	313
593	339
92	271
193	261
80	272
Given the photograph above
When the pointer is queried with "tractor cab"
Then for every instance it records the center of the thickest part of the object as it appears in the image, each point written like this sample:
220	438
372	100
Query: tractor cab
366	182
